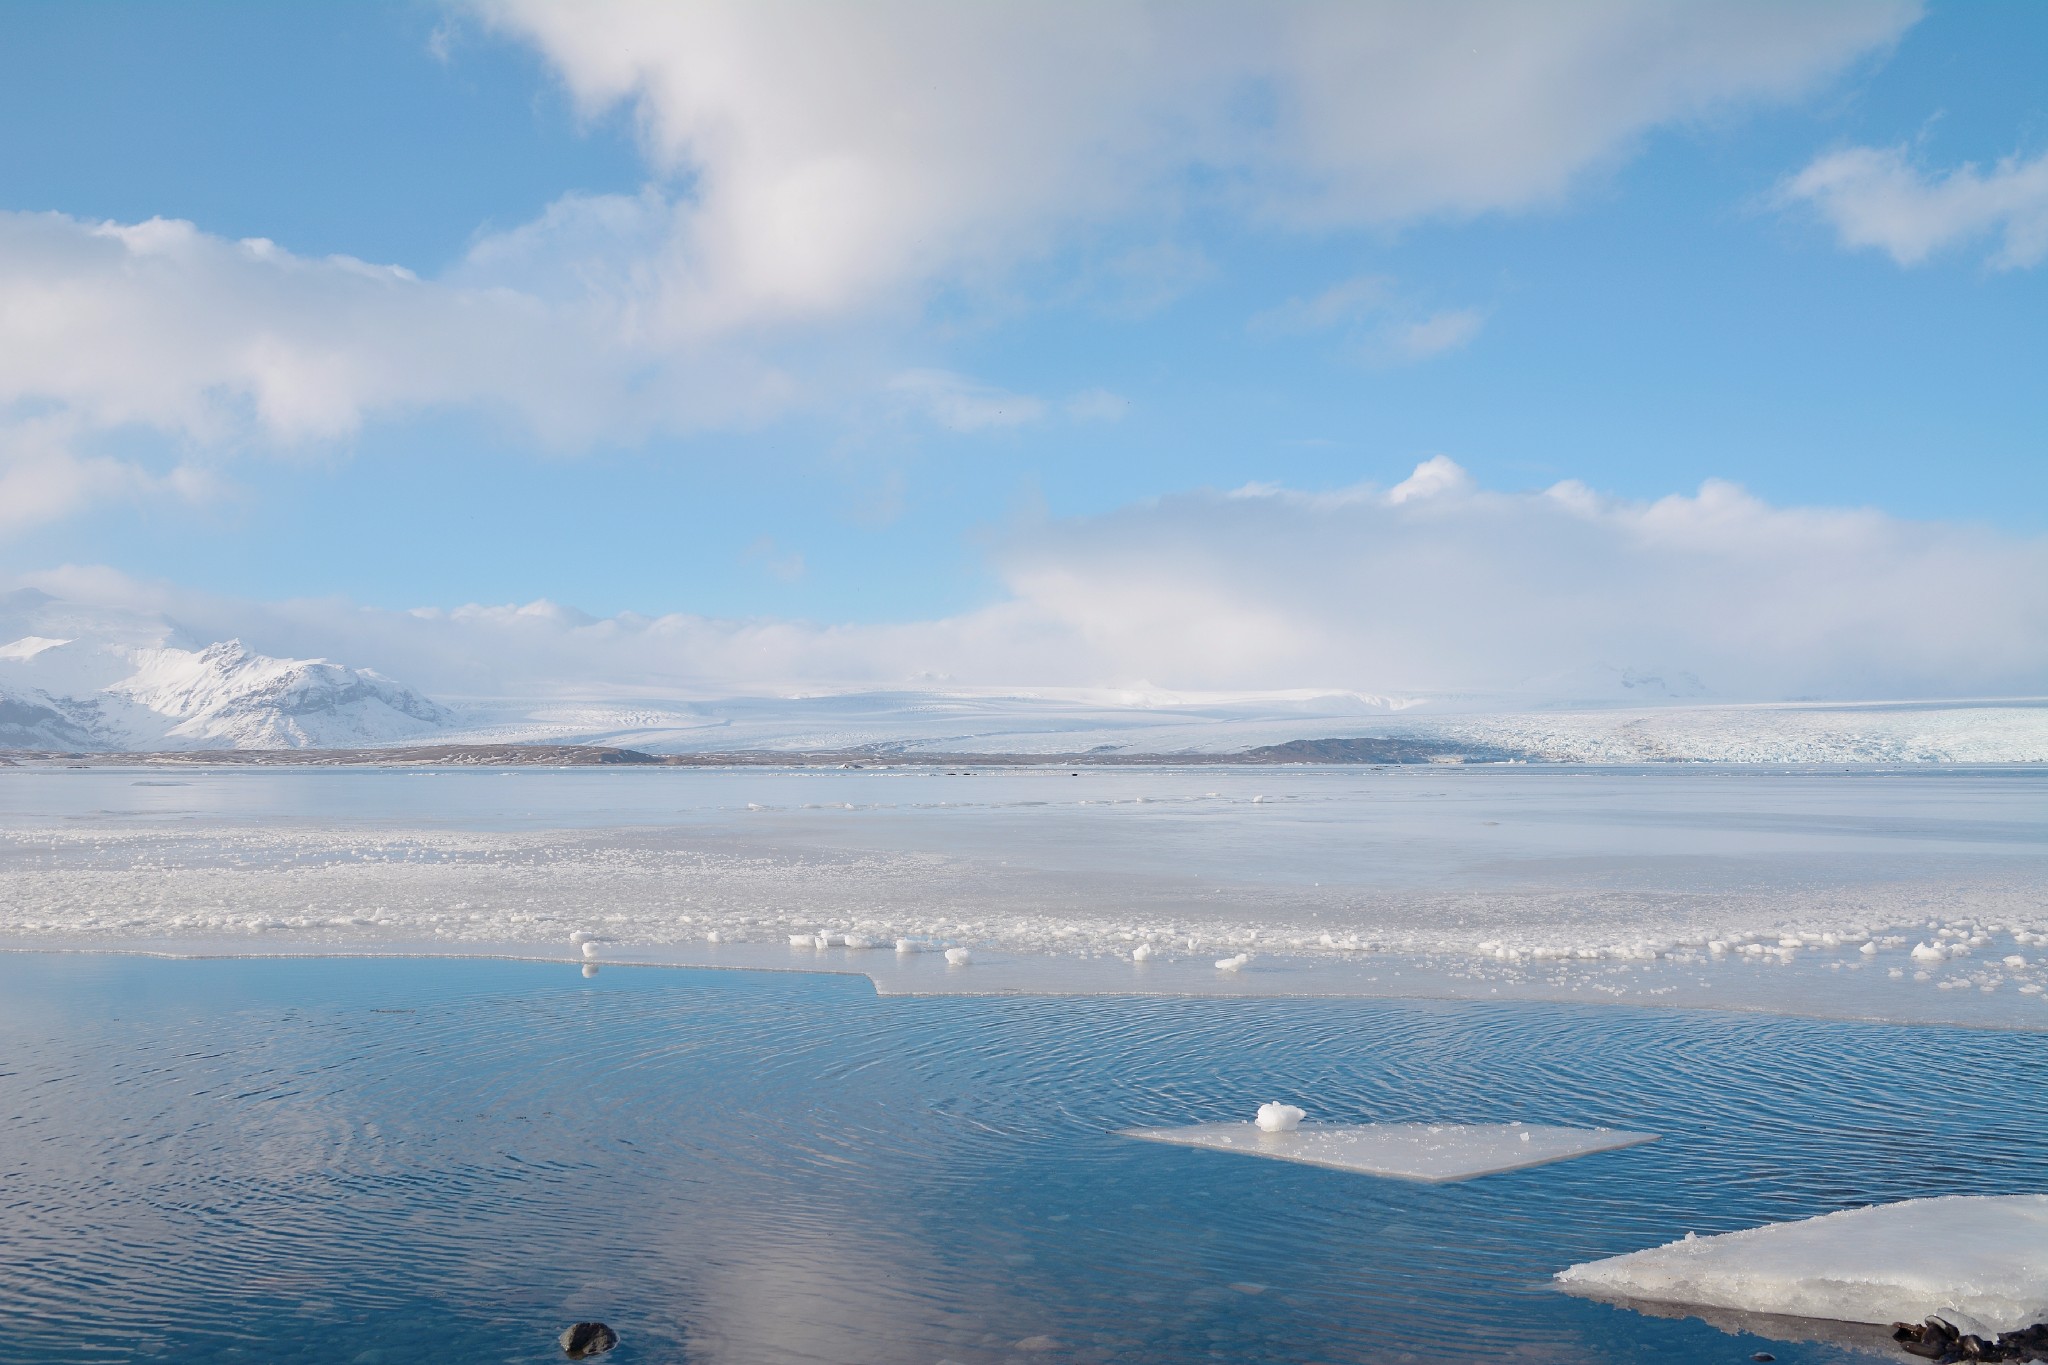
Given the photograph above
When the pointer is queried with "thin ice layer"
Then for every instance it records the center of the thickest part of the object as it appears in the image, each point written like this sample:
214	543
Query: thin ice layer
1986	1255
1432	1152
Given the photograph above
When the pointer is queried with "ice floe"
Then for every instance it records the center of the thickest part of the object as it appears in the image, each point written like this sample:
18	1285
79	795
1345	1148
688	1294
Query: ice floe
1431	1152
1983	1256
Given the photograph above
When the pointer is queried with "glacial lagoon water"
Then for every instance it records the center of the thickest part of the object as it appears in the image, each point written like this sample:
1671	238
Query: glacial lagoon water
443	1159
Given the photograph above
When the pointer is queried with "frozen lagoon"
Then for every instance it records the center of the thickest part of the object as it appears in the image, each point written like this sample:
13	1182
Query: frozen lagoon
1914	893
324	1159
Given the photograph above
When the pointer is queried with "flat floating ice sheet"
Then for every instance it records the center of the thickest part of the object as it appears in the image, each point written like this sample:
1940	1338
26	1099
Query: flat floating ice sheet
1985	1255
1432	1152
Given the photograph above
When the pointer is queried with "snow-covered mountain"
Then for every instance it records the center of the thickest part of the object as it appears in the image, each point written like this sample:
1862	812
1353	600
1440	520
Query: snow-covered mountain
225	696
78	679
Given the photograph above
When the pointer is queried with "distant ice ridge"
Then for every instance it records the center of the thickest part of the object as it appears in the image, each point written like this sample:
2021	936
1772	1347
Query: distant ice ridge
907	724
1982	1255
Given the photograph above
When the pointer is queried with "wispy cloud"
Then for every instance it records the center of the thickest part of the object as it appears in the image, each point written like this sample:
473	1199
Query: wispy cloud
782	567
961	404
1877	197
1369	311
1096	405
1343	303
1435	334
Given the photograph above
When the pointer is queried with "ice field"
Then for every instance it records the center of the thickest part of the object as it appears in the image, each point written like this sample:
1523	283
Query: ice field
1901	893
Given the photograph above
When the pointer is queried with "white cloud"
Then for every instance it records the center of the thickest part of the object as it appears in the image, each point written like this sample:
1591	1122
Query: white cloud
1876	197
1434	585
837	154
822	172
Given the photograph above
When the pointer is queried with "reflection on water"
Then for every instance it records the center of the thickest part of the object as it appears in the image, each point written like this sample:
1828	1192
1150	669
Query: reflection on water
409	1160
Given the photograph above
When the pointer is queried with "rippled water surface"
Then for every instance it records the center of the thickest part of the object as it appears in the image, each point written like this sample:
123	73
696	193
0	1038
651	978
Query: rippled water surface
386	1161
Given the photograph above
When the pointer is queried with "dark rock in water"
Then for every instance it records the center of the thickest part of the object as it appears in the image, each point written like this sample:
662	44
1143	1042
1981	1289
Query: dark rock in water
1930	1340
1763	1355
1937	1340
587	1339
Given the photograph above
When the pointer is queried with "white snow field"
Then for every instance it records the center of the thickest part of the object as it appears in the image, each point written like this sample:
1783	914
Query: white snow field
1434	1153
1985	1256
1896	895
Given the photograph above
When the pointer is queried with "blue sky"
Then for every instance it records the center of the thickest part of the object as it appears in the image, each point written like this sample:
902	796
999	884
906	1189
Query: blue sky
1649	308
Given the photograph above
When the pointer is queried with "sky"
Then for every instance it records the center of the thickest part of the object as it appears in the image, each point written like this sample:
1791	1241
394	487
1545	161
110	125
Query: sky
1046	344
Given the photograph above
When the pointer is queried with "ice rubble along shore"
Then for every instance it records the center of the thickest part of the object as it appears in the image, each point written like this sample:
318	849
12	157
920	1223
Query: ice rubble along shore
1985	1256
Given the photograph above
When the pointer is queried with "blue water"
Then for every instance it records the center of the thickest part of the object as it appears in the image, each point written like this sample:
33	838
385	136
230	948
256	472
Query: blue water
392	1161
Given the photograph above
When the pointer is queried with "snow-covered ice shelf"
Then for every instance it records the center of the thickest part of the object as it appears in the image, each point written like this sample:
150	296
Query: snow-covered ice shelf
1983	1255
1431	1152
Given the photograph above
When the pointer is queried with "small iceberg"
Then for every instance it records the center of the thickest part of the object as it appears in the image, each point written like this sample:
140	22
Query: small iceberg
1279	1118
958	957
1233	963
1984	1257
1429	1152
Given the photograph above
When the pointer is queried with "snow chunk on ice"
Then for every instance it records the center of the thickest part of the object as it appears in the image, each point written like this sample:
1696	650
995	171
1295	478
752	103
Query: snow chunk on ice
1928	952
958	957
1432	1152
1231	964
1983	1255
1279	1118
